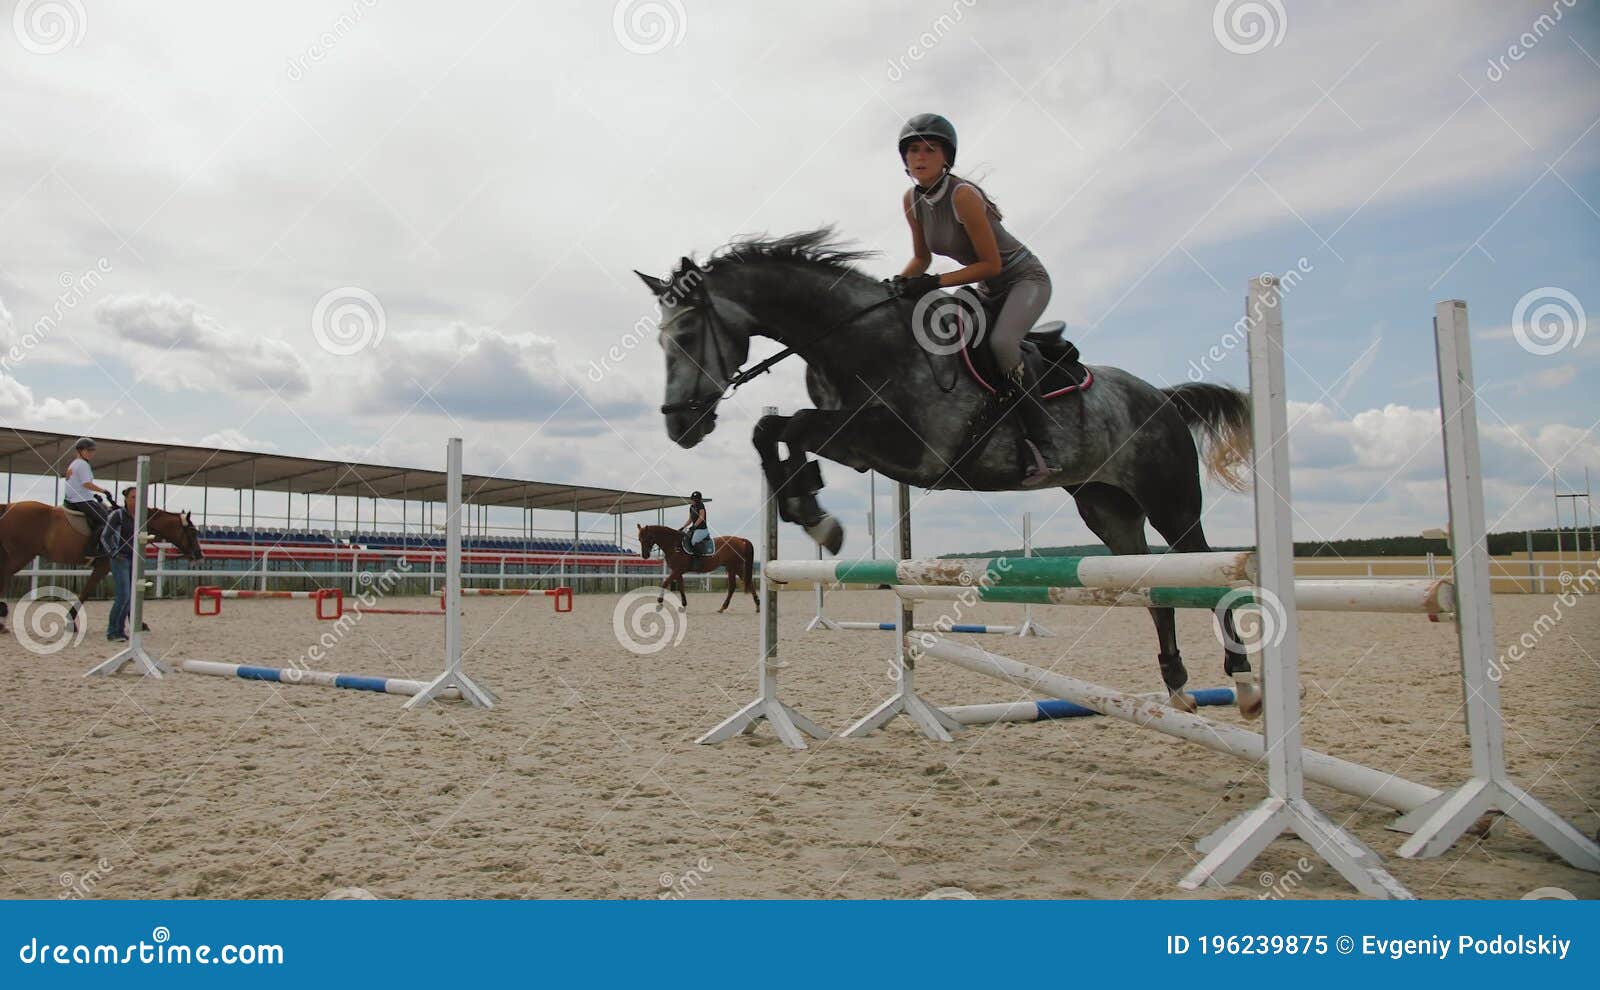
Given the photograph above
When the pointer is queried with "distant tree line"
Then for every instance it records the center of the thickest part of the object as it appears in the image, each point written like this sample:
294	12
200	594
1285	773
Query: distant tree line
1544	540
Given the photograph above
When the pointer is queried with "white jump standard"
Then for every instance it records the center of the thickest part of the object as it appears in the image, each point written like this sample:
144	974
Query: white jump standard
453	683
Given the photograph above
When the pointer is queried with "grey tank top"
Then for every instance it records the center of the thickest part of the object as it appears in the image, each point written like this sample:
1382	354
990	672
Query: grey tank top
946	234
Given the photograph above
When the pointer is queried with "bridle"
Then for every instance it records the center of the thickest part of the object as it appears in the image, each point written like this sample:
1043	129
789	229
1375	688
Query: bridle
698	300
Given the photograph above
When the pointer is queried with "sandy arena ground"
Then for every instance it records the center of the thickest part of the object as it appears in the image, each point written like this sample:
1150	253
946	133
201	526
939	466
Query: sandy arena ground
585	781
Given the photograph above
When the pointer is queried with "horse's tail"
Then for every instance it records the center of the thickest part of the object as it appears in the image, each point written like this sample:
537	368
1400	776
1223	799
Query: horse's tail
1220	417
749	567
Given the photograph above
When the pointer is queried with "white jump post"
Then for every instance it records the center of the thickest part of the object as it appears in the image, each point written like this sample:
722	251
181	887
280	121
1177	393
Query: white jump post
786	722
820	620
1028	626
1236	844
933	722
1490	788
452	676
134	652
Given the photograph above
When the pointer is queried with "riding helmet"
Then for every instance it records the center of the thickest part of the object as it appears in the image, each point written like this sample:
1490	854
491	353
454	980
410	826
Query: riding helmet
930	127
84	443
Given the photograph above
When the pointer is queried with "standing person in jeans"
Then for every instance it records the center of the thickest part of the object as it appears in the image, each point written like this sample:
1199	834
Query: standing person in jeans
81	489
119	542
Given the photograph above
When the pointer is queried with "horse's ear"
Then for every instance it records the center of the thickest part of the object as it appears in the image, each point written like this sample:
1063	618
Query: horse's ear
655	285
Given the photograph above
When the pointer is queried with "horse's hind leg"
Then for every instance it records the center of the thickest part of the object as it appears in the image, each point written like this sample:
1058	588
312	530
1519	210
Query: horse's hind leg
733	582
1116	518
1177	519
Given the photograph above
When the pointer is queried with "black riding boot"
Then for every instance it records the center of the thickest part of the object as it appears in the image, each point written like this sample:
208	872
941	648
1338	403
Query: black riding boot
1022	389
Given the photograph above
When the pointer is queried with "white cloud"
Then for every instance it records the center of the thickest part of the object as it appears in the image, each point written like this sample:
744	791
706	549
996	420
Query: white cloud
177	343
19	407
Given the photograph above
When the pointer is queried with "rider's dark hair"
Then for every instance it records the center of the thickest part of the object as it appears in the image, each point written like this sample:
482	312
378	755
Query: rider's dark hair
994	208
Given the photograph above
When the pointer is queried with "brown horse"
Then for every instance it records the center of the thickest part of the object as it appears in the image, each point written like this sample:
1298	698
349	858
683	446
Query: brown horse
735	553
34	529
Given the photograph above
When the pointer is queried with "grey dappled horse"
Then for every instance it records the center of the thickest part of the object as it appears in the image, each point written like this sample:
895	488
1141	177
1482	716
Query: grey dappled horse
886	403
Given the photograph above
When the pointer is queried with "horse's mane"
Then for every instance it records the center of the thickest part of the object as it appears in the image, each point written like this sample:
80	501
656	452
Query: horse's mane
818	247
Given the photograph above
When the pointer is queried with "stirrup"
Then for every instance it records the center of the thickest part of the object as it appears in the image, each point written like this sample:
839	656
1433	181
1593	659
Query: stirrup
1038	472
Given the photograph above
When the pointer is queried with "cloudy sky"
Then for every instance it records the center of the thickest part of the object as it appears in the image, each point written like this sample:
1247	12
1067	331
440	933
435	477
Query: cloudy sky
355	228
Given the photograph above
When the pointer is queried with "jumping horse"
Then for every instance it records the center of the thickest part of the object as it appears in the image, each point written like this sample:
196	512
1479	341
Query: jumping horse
886	401
735	553
61	536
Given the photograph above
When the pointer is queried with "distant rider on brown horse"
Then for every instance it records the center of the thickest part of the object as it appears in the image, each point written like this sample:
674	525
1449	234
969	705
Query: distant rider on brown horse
697	531
81	489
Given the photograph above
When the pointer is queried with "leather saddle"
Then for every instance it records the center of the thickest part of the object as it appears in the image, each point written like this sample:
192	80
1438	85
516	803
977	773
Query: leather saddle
77	520
1046	348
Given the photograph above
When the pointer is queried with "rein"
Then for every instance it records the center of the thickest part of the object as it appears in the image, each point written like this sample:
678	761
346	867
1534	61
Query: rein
703	304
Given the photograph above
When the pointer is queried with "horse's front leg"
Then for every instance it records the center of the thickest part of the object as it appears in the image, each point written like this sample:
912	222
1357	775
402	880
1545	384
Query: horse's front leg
866	439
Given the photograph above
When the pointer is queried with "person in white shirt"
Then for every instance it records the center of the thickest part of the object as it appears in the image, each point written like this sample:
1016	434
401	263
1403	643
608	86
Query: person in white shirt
81	490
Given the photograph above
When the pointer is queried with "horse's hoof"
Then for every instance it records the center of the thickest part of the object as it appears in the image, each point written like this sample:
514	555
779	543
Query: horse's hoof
827	533
1247	691
1182	702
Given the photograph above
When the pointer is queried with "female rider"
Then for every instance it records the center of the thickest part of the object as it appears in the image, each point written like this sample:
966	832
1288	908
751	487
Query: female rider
953	217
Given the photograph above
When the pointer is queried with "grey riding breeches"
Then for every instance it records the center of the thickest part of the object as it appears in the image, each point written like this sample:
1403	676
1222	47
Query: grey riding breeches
1022	298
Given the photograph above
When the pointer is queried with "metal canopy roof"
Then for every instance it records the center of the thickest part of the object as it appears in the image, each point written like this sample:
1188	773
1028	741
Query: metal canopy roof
44	453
